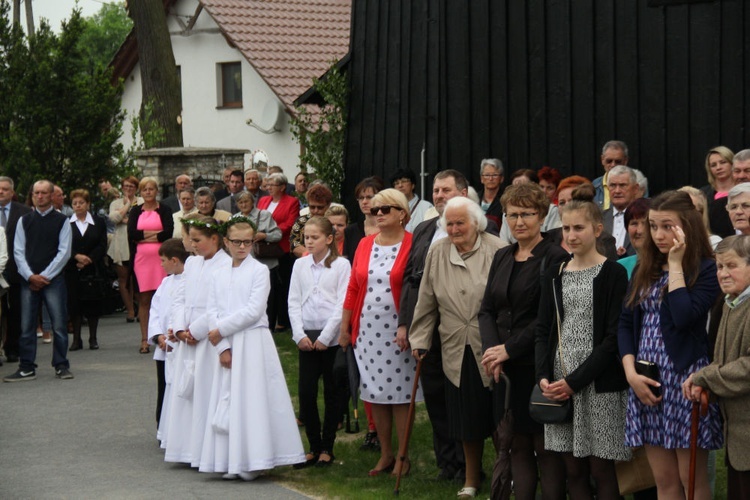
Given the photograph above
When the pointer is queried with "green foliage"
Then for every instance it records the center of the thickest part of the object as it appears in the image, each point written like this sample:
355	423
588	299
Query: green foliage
322	136
59	119
103	34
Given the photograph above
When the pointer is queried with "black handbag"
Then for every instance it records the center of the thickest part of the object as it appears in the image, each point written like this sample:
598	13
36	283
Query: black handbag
547	411
92	286
265	250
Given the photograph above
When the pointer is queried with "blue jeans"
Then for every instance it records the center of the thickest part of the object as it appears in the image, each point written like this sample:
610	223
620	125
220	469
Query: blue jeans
55	297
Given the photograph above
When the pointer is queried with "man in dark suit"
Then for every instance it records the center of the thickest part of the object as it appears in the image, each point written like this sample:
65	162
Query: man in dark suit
448	452
236	183
622	185
10	213
182	181
252	184
224	192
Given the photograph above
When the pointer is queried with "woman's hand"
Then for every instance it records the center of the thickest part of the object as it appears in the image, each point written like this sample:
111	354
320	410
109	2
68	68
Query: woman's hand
225	358
150	236
259	236
557	391
305	344
402	338
214	336
642	388
677	252
345	338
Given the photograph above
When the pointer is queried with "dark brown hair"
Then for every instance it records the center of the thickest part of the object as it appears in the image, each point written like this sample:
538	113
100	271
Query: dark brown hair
174	249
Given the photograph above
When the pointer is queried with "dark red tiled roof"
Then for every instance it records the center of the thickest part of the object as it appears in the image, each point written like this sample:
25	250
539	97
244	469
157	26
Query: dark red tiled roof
288	42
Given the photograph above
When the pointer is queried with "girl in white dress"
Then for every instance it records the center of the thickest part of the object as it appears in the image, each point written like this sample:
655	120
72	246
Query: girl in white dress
251	425
316	299
187	421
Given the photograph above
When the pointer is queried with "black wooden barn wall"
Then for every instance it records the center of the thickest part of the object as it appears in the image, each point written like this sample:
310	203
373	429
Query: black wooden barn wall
546	82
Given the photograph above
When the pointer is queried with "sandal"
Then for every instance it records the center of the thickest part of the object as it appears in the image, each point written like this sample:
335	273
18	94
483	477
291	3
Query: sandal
387	468
467	492
310	459
144	348
325	463
405	468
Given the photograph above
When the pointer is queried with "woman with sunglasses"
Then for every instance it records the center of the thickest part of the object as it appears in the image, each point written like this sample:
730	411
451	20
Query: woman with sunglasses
370	320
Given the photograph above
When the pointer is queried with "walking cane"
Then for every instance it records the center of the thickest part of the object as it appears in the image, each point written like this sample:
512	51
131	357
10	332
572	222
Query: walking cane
409	419
700	409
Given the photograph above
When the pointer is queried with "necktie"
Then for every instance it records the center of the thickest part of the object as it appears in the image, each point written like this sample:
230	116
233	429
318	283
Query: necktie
3	217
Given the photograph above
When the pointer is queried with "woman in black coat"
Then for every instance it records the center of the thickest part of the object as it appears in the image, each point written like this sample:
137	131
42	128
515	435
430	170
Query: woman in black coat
84	273
507	319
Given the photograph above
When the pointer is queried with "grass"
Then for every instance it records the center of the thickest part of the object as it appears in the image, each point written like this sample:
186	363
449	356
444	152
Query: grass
348	477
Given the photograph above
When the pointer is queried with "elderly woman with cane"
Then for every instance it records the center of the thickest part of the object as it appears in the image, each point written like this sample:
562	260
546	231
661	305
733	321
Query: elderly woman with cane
452	287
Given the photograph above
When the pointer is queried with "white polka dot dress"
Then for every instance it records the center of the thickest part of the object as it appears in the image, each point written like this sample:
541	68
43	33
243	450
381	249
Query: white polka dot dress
386	373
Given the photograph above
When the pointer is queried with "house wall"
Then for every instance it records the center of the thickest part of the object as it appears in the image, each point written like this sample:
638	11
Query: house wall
203	124
546	83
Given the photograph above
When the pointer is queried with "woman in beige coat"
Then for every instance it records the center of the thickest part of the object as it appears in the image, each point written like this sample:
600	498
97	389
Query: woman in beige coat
452	287
119	249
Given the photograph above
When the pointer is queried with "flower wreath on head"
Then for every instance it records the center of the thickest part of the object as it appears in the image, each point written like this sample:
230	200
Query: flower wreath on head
237	220
211	224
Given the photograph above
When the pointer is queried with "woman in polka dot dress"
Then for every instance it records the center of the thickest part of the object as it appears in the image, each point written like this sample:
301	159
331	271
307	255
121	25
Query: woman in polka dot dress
370	320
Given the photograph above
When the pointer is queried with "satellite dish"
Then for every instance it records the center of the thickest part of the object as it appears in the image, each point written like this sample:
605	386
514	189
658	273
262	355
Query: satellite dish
271	118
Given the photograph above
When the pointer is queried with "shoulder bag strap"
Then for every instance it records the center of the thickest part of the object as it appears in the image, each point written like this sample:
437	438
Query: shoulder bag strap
559	332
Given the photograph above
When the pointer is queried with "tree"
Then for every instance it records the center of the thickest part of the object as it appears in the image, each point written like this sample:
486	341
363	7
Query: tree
160	84
104	33
322	136
57	119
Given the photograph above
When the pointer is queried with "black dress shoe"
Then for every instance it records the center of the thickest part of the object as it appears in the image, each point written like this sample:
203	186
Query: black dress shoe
93	345
76	346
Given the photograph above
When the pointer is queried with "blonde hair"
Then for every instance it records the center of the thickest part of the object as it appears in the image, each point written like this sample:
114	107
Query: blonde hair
146	181
395	197
722	151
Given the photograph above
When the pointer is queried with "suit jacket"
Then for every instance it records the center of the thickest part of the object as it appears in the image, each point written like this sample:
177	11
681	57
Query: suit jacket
508	320
609	223
172	202
726	377
16	211
285	215
228	204
221	194
92	243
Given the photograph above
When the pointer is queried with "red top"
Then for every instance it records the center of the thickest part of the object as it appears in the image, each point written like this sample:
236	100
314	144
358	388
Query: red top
286	213
355	293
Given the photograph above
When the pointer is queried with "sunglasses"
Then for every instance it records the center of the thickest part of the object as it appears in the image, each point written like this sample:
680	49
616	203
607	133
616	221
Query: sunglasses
385	209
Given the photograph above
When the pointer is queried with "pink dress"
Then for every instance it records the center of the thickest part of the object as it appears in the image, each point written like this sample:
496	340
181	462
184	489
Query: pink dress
147	265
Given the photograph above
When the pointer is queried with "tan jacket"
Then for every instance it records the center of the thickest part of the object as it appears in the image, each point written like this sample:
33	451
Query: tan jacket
728	377
119	248
451	292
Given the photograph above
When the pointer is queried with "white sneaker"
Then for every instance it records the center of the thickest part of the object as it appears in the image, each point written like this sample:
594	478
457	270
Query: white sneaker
249	476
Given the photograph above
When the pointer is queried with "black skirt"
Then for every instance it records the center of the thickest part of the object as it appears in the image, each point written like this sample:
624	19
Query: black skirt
469	406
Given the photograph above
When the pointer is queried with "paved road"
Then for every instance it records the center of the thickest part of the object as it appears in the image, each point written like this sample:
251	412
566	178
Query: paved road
94	436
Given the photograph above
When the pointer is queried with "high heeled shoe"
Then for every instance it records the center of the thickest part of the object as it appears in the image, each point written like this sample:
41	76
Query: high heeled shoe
93	344
405	468
387	468
76	345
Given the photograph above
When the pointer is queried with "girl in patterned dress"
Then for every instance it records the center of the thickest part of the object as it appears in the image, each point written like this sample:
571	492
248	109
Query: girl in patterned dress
587	294
664	320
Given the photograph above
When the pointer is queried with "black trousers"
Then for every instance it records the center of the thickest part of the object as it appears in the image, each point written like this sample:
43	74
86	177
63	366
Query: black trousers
11	304
449	453
738	482
314	365
161	384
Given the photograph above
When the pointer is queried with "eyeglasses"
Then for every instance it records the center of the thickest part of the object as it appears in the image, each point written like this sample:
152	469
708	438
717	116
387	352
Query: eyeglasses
239	243
523	215
386	209
734	206
490	176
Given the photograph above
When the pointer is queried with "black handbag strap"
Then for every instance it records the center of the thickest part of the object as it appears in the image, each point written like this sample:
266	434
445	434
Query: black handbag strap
559	326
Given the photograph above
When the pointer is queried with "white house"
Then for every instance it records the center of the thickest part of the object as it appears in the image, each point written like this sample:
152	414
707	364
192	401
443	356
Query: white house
242	63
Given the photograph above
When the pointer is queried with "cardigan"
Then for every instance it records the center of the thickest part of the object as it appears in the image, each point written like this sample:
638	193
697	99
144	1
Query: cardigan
135	235
684	332
285	214
603	366
727	378
501	323
357	289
